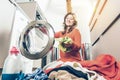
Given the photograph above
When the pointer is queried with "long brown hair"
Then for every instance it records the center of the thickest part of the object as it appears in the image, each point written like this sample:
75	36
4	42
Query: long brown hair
74	24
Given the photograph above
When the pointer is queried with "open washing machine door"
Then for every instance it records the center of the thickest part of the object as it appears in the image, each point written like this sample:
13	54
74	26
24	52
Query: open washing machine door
36	39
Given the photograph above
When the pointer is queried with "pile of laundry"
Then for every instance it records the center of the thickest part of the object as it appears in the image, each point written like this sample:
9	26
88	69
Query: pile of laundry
104	67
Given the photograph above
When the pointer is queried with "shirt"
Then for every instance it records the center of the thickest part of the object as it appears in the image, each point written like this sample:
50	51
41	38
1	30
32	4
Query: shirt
74	54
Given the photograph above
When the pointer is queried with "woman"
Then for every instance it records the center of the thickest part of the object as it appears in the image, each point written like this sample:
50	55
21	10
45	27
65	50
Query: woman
70	51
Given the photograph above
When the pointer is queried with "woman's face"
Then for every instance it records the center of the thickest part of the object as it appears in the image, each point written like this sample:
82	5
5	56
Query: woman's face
69	21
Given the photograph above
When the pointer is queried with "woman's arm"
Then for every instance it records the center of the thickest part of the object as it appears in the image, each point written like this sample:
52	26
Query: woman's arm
76	40
58	34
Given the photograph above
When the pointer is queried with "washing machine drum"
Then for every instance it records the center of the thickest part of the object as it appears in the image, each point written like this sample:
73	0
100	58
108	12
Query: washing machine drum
36	39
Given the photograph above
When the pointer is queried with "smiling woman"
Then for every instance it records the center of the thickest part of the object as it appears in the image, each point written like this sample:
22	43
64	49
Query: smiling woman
71	33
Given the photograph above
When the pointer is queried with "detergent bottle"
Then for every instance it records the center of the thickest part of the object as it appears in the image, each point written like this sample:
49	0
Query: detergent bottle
11	67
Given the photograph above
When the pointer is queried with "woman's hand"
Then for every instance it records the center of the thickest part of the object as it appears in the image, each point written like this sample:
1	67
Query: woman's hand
66	44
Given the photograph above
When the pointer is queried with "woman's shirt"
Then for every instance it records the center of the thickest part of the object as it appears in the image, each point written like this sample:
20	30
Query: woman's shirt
74	54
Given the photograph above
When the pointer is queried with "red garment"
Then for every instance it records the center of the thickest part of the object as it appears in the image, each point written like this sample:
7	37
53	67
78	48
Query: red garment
105	65
74	55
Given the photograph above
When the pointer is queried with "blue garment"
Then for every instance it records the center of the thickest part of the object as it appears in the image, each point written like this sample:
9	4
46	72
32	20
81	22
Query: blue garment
38	74
9	76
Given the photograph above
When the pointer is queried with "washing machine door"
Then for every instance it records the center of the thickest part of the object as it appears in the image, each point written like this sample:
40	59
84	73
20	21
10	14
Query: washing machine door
36	39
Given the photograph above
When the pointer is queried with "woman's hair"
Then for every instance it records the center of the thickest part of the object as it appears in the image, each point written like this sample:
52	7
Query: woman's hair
74	24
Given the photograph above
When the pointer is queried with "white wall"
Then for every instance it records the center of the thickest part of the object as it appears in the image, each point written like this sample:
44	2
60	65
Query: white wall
83	12
109	42
6	18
